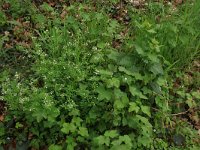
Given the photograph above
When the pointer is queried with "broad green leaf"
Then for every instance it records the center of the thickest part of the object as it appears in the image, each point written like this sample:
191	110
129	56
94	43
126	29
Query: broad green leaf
139	49
118	104
144	120
104	93
83	131
156	69
77	121
114	55
74	112
70	143
114	82
46	7
126	139
153	58
133	107
146	110
68	127
103	140
120	147
135	92
111	133
196	95
105	72
156	88
55	147
123	69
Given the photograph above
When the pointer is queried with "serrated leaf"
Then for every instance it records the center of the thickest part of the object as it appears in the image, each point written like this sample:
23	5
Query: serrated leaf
118	104
133	107
156	69
114	82
146	110
55	147
77	121
153	58
139	49
123	69
83	131
114	55
156	88
104	93
196	95
111	133
126	139
135	92
104	72
68	127
103	140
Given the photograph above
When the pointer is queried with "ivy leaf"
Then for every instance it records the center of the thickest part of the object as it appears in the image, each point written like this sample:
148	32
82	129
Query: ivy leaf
146	110
133	107
83	131
111	133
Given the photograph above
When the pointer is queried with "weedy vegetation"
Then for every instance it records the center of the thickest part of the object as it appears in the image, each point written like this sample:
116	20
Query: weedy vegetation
99	75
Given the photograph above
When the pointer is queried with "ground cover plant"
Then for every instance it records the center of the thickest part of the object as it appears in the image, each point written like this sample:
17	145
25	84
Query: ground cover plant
99	75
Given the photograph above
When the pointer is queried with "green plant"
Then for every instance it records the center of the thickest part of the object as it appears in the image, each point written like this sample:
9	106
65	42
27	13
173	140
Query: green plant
82	92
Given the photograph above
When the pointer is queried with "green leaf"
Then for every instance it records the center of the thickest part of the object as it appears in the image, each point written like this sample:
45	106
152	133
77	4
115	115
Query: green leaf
123	69
139	49
114	56
83	131
103	140
111	133
46	7
135	92
146	110
68	127
105	72
126	139
153	58
156	88
114	82
118	104
156	69
196	95
77	121
70	143
104	93
133	107
55	147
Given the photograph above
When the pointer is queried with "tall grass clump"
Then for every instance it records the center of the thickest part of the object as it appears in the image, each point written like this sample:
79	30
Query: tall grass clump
179	34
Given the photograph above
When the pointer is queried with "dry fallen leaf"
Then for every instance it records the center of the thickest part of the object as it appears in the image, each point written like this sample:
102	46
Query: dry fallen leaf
1	118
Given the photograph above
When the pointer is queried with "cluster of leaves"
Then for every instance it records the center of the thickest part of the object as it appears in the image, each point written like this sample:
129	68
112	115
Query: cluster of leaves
179	34
83	92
